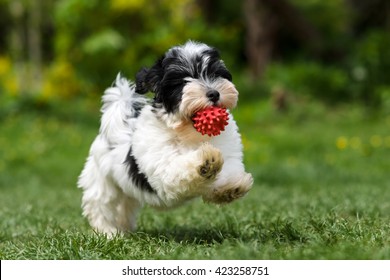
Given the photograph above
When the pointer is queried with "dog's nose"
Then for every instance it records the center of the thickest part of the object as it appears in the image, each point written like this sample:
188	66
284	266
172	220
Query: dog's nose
213	95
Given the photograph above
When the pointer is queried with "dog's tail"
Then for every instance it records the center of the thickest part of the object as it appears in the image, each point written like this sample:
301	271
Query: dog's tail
121	104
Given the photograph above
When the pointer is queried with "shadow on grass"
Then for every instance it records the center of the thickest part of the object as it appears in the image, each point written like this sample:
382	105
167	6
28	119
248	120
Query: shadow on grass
276	232
195	235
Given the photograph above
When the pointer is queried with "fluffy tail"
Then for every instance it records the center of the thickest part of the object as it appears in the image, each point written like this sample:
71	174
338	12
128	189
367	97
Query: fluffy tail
120	104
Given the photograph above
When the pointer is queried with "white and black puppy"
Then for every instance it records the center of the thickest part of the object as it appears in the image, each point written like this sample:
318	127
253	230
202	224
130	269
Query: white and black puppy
148	150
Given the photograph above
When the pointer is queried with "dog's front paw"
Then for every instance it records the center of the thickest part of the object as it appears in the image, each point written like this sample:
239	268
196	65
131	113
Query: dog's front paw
211	161
230	191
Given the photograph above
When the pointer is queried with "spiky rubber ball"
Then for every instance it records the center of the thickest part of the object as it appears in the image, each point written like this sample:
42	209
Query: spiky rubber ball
211	120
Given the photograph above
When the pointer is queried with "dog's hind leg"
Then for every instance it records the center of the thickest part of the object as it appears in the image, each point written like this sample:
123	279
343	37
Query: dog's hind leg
127	212
108	210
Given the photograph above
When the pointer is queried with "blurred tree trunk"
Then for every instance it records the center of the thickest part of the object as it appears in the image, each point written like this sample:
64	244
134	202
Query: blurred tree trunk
26	44
17	11
261	26
208	9
370	14
34	43
263	19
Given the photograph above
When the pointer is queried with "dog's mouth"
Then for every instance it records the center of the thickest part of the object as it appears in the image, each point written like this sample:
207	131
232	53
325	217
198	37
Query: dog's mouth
211	120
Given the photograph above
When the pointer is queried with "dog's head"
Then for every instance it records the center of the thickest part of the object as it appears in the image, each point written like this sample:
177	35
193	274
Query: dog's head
187	79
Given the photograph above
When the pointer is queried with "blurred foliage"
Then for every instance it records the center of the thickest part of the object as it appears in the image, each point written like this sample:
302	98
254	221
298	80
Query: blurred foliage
370	65
310	79
85	43
121	35
332	18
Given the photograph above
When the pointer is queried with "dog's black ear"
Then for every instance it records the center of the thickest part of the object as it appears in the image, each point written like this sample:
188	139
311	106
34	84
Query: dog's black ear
140	81
149	79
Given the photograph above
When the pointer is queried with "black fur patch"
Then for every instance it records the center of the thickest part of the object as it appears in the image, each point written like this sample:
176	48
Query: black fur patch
139	179
215	67
137	107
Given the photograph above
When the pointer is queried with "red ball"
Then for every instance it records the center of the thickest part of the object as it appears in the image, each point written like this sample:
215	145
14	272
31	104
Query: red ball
211	120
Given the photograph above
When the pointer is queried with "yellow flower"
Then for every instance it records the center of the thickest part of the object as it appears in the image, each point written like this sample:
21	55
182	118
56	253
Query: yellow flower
130	5
342	143
5	65
11	86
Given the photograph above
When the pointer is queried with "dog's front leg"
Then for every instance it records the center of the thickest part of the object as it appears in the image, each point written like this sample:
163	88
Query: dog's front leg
232	183
208	164
190	174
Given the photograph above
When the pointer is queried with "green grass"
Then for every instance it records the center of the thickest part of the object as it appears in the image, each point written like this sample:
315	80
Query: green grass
321	190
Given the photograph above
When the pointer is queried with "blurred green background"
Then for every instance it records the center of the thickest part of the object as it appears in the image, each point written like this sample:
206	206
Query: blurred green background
314	115
335	51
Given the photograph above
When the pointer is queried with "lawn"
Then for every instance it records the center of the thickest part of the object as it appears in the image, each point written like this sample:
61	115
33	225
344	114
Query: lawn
321	190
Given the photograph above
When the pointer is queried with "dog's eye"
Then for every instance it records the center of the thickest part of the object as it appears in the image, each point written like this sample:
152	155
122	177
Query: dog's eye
179	82
176	78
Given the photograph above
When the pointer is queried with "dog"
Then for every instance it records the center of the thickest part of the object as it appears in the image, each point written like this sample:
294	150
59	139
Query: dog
148	151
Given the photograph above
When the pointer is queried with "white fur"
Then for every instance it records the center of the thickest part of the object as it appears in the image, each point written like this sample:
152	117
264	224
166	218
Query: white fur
178	162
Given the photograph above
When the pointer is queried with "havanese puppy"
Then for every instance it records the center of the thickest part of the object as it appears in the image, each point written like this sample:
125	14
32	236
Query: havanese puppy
148	151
